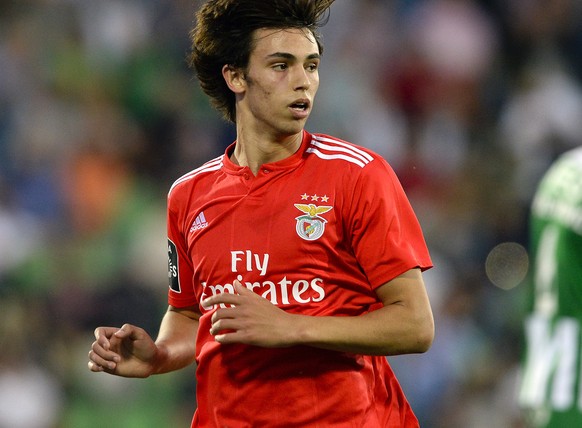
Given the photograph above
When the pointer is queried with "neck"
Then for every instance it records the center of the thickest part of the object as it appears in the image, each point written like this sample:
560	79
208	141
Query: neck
254	151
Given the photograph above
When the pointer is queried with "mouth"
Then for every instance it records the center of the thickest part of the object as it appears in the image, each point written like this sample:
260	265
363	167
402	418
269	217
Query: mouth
300	106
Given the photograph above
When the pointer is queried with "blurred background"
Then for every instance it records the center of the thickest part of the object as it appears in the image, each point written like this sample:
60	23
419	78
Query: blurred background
468	100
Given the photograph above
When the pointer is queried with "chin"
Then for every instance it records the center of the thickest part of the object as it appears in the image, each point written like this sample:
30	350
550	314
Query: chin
296	126
287	127
292	132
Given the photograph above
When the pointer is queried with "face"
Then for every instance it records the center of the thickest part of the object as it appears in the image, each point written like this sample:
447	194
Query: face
280	82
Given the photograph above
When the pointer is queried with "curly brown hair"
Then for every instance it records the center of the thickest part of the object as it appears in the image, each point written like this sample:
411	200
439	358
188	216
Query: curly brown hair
223	35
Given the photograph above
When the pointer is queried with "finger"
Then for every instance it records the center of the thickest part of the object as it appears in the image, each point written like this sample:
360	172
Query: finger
94	367
225	338
223	298
104	332
131	332
126	331
231	337
241	289
104	336
104	352
223	313
223	325
98	369
98	362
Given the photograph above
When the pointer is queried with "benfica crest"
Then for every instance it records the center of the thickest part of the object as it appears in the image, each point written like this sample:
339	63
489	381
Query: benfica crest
311	226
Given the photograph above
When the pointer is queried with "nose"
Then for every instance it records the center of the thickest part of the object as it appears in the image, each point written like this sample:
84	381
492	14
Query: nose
301	79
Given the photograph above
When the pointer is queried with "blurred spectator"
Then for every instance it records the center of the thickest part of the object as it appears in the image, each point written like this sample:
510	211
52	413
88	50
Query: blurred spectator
30	395
541	120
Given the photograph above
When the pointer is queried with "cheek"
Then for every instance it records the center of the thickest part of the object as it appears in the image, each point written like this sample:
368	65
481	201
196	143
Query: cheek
264	97
261	104
257	92
265	93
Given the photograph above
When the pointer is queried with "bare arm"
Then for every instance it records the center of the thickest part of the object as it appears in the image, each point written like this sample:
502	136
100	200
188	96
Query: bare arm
403	325
129	351
177	339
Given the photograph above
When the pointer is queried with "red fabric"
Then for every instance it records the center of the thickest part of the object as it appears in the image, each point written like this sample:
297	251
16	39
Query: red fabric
315	234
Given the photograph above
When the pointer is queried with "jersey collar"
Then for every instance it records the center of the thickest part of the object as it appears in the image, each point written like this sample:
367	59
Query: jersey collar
288	163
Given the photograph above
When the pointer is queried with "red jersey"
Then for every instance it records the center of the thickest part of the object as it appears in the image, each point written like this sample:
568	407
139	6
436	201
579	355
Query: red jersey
315	234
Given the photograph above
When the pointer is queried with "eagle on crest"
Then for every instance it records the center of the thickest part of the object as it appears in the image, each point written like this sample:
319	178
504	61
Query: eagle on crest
312	210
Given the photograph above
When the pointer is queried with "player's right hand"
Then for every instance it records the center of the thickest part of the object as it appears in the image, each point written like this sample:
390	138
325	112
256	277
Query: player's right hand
128	351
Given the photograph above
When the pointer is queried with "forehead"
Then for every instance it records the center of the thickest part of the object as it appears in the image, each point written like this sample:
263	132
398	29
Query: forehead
297	41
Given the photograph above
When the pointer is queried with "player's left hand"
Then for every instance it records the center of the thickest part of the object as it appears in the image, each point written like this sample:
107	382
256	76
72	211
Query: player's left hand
250	319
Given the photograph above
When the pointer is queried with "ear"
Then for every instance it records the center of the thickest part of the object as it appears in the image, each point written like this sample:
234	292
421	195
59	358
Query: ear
234	78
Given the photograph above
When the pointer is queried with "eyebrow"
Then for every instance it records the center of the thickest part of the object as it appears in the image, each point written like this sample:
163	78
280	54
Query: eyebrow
291	56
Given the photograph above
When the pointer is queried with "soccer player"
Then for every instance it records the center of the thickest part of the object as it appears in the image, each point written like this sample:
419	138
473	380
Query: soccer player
295	258
551	393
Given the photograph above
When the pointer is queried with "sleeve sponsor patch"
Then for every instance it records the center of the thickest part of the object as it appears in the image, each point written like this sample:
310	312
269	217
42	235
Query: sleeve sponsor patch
173	276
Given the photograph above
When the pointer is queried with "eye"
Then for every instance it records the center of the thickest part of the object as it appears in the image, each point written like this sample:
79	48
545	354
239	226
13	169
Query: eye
280	66
312	66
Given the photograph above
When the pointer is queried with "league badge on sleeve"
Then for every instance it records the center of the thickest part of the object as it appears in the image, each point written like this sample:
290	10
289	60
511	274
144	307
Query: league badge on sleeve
173	277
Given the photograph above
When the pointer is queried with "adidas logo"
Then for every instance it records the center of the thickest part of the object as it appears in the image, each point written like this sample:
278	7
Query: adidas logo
199	223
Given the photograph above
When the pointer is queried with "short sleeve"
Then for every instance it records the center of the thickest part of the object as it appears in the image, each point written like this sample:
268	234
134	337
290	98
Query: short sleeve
386	236
180	272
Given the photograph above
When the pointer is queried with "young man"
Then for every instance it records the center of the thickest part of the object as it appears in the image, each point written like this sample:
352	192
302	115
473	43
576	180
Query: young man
551	383
295	259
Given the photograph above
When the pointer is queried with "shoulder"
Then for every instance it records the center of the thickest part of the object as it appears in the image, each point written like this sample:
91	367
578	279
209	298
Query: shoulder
188	180
574	157
328	148
558	196
566	169
356	163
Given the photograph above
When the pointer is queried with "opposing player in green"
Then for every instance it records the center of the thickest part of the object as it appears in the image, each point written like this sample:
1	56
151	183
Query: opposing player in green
551	387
